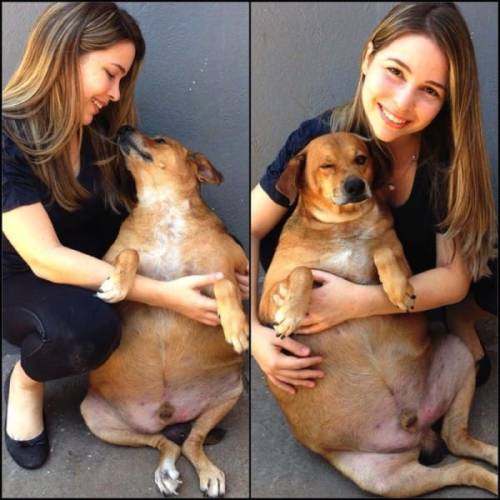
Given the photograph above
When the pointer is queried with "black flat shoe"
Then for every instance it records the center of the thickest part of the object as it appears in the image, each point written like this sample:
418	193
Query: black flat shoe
29	454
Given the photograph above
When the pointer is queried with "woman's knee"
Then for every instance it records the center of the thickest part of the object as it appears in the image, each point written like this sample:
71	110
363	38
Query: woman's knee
92	342
75	341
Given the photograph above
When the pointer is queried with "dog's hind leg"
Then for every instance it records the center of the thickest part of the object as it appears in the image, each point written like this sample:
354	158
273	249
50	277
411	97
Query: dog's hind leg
399	475
455	425
105	422
212	479
232	317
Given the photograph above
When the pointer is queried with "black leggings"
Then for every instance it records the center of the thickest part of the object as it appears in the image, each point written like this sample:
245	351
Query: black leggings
62	330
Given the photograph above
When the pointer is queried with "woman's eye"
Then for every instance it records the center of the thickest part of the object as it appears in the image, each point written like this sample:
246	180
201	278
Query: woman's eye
159	140
394	71
110	76
431	91
360	159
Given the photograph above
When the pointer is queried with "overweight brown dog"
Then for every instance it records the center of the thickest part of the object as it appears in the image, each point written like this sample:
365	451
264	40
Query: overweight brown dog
169	368
386	379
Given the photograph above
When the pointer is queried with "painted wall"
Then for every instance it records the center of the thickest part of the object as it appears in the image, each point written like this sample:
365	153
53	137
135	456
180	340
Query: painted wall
194	85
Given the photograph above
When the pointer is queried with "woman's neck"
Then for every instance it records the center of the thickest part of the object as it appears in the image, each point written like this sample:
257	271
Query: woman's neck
74	154
403	149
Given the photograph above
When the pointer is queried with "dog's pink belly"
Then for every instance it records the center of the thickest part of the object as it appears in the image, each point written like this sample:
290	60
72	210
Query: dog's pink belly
447	373
180	404
450	365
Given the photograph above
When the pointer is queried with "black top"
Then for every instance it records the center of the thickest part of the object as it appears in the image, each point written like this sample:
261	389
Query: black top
91	229
414	222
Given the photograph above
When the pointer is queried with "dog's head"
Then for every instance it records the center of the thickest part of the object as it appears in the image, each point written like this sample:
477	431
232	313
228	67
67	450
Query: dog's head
334	172
160	161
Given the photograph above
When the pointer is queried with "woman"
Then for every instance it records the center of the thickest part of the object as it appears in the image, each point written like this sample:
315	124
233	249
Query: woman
65	193
417	99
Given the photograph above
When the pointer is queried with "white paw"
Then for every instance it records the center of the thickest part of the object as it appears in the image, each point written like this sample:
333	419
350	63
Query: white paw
167	478
287	319
213	482
110	291
236	331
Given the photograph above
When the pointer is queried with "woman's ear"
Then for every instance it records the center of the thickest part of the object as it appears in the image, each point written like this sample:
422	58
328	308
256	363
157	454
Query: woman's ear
367	58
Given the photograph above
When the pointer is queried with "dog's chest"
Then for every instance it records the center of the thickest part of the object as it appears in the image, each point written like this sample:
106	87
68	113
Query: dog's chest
351	259
161	255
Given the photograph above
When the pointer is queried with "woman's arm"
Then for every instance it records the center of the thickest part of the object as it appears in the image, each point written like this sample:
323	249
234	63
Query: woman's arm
284	371
446	284
31	233
338	300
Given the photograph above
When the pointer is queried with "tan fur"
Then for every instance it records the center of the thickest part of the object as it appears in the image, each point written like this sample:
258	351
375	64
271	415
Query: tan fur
386	379
169	368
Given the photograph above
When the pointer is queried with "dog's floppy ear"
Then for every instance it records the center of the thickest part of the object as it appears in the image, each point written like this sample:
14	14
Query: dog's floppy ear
205	171
290	180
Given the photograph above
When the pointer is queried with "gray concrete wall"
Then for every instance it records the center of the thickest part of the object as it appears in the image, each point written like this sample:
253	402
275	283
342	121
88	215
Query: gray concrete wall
305	59
193	86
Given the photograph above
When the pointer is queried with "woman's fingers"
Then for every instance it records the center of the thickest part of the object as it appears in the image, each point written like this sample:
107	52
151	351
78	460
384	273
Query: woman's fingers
286	387
207	304
299	374
296	382
293	363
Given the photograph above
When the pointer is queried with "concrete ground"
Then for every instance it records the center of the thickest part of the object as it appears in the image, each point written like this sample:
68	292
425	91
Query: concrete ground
283	468
82	466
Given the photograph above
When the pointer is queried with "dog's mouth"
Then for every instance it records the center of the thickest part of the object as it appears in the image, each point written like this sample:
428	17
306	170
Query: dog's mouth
127	143
354	190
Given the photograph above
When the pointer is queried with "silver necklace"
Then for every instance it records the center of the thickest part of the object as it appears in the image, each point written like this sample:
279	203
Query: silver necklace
413	159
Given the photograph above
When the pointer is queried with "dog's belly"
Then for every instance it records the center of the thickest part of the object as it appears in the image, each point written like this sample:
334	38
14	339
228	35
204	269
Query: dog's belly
368	383
167	368
178	403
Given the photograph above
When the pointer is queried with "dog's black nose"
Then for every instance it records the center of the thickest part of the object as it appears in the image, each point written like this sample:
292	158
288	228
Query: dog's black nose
125	130
354	186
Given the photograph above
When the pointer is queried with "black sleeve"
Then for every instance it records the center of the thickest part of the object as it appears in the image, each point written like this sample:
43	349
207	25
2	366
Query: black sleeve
20	186
307	131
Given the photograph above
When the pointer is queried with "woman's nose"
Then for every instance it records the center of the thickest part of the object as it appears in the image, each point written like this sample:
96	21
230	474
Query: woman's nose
114	92
403	99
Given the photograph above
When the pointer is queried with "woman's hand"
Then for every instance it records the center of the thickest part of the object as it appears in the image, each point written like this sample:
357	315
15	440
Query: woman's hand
184	296
244	284
283	371
335	301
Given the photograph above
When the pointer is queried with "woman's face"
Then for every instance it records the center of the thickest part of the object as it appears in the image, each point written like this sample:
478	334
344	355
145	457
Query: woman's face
100	75
404	87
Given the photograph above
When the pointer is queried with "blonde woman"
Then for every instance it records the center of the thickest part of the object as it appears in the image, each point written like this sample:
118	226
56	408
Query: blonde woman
417	98
65	194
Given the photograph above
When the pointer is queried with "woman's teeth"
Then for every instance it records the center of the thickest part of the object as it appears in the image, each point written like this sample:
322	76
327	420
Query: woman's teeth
391	117
97	103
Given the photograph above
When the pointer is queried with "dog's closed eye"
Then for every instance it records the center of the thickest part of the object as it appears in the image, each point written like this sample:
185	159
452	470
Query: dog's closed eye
160	140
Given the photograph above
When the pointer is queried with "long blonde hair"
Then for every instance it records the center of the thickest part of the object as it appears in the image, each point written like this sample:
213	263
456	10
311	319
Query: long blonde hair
41	103
453	144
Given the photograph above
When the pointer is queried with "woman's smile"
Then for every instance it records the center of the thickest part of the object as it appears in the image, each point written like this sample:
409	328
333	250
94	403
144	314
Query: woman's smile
390	119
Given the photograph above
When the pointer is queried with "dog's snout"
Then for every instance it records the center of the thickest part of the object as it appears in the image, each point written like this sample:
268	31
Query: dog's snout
354	186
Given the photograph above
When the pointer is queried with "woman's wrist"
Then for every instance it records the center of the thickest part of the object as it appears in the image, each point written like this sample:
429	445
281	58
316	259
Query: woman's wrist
373	301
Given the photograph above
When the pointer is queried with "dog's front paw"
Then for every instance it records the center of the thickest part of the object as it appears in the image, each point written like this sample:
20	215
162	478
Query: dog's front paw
402	294
289	314
212	481
235	328
113	289
167	478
